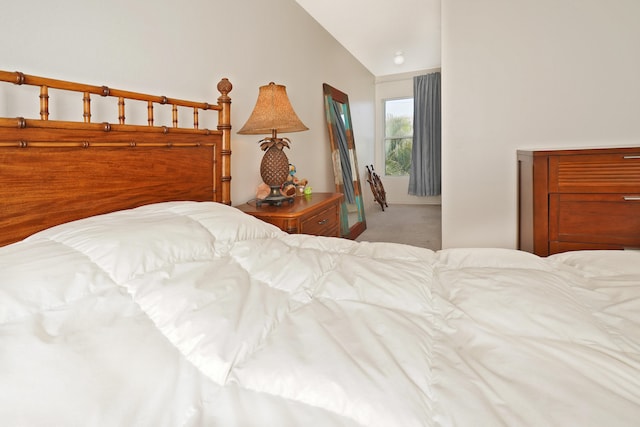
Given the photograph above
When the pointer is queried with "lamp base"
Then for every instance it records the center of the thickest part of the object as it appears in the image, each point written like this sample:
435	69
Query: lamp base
275	198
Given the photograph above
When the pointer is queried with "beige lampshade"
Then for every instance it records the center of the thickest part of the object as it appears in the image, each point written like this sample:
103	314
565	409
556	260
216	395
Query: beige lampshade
273	112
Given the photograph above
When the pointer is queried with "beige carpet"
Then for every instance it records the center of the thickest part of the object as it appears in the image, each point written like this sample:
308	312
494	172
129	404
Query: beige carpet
418	225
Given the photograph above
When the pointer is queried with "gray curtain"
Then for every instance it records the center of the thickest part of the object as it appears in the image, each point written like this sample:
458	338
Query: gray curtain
424	175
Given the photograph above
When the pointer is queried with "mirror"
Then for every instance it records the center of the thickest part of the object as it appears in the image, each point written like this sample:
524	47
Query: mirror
345	164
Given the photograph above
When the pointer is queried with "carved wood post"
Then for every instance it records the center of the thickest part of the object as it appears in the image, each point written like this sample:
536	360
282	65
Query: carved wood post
44	102
86	107
121	117
150	113
224	124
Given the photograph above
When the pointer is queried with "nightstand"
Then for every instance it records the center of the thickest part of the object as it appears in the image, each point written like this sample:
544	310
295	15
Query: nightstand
316	213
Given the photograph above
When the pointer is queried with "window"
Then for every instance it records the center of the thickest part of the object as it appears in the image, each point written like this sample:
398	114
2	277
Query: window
398	136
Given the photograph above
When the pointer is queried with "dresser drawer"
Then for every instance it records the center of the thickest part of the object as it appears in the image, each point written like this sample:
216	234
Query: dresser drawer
557	247
324	223
595	173
605	219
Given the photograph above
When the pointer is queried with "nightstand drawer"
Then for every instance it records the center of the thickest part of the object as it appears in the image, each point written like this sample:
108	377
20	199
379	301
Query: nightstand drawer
324	223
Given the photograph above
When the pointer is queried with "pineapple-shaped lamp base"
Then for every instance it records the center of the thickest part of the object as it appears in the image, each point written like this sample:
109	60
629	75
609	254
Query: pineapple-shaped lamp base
274	170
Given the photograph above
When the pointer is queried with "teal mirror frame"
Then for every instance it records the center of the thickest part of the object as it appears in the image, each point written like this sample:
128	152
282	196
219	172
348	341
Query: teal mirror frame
345	163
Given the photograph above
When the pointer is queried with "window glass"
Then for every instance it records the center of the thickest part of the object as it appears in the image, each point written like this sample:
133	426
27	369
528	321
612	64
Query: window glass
398	136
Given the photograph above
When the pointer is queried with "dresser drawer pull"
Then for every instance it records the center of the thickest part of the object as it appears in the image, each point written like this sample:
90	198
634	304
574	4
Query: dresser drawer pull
324	221
632	157
632	198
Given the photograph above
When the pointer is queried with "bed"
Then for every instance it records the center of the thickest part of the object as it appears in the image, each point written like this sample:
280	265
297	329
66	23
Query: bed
140	297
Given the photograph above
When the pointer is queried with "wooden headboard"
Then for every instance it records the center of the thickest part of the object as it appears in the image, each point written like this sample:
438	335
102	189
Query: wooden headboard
54	171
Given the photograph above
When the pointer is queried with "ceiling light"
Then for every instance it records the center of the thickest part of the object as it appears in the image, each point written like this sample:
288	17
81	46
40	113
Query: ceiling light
398	59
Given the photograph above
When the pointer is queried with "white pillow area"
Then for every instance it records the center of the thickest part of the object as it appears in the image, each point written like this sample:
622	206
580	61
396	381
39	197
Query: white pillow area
144	239
601	263
226	222
490	258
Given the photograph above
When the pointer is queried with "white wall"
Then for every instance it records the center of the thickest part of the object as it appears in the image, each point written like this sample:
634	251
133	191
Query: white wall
389	87
182	49
528	74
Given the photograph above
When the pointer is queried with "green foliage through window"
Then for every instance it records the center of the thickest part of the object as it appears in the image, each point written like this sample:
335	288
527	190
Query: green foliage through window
398	139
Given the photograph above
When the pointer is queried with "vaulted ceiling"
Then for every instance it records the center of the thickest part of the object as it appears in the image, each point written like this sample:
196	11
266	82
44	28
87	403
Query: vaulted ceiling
375	31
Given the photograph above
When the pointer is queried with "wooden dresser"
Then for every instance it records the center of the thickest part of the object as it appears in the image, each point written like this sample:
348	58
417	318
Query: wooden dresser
579	199
317	214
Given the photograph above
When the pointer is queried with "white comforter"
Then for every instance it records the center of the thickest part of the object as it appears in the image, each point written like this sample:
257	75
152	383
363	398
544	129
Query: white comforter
195	314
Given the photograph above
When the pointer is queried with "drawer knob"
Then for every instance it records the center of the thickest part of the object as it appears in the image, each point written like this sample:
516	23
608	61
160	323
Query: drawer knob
324	221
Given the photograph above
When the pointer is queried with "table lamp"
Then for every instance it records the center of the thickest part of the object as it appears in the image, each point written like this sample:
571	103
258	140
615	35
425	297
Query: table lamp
273	113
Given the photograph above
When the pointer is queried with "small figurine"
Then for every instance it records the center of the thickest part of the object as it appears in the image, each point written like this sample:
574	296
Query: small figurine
292	183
